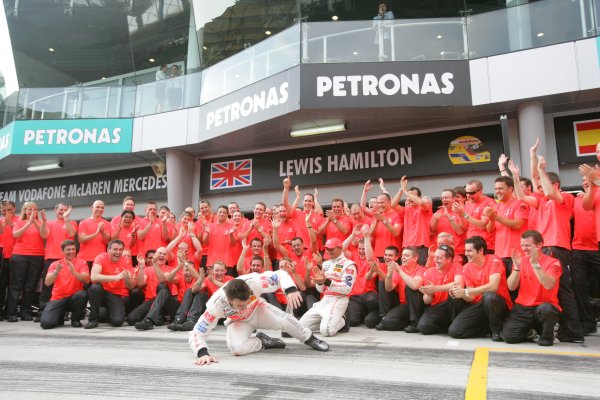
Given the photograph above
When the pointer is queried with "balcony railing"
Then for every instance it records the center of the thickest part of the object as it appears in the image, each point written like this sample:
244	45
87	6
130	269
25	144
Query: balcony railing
464	37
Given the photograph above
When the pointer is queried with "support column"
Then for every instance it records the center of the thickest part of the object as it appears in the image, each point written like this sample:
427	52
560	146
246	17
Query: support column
530	118
180	178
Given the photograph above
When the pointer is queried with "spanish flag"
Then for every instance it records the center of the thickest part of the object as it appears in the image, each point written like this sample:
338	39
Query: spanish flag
587	135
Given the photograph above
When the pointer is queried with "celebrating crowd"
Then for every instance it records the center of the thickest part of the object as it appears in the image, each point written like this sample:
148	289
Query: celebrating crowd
512	267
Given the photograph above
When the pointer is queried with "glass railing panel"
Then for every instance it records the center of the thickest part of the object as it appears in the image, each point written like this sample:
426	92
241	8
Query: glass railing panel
266	58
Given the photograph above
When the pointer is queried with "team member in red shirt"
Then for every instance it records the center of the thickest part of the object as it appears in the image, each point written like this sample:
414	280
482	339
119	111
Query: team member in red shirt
258	228
446	220
59	230
219	236
386	228
472	212
417	218
8	221
93	234
556	211
128	205
155	230
591	200
585	258
192	298
126	231
112	278
537	277
161	292
363	305
27	260
437	281
337	224
508	219
485	291
66	277
311	206
406	280
285	230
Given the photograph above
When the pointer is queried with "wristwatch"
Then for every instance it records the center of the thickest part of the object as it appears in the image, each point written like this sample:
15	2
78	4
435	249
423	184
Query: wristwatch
466	216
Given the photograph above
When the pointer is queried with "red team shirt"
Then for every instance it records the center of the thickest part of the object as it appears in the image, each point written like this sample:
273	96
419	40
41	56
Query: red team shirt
361	284
30	243
475	210
584	233
416	226
508	239
555	221
152	282
399	283
57	233
66	284
433	276
531	291
444	225
475	276
383	236
90	249
111	268
211	288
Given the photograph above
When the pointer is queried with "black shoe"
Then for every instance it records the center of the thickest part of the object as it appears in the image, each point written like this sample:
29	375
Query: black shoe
91	324
411	328
380	327
36	319
76	324
317	344
269	342
545	342
496	337
11	318
285	334
346	327
160	321
588	330
144	325
533	336
570	339
26	317
186	326
173	326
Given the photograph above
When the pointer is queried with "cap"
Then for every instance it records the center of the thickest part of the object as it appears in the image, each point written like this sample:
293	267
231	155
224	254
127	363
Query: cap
333	243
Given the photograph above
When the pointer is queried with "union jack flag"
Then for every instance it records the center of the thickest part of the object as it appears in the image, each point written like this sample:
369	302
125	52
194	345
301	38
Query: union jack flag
231	174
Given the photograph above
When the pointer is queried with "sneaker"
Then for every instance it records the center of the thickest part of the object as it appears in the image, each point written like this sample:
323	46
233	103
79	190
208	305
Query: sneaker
93	323
411	328
11	318
26	317
186	326
173	326
380	327
285	334
269	342
545	342
76	324
317	344
533	336
144	325
496	337
36	319
160	321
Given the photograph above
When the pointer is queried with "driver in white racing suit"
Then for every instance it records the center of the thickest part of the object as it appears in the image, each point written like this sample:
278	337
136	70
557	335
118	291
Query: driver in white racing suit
239	300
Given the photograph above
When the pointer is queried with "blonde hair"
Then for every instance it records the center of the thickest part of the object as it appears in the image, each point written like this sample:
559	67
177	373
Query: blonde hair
24	208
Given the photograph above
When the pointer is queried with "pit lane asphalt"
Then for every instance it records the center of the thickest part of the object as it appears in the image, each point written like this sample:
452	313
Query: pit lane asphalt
69	363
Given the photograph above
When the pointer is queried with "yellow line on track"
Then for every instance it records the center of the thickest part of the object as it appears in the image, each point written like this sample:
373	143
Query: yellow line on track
477	384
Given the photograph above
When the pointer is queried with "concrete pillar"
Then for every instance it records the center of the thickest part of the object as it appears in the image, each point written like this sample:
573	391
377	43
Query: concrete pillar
180	179
530	117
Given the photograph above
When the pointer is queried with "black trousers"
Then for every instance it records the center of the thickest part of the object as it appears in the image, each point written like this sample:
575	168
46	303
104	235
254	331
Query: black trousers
164	304
522	319
54	312
508	266
4	281
570	323
584	264
387	300
46	292
192	306
363	307
136	297
477	320
437	319
115	305
24	276
400	316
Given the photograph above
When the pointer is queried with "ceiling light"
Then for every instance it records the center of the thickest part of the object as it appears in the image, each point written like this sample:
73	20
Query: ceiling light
267	32
540	34
44	167
151	60
439	36
205	48
50	49
103	78
335	18
318	130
